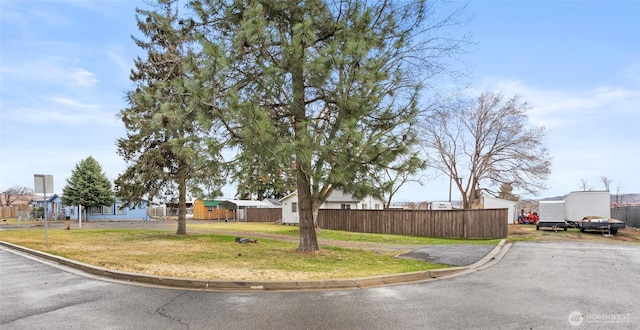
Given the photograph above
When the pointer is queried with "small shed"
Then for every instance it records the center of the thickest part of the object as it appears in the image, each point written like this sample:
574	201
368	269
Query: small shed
205	209
491	202
290	213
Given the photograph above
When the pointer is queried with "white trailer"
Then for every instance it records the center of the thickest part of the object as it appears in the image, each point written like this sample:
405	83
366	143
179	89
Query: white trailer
551	214
580	204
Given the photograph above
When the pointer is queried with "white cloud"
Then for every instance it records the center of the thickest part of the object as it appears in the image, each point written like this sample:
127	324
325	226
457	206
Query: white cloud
59	163
556	109
60	110
49	70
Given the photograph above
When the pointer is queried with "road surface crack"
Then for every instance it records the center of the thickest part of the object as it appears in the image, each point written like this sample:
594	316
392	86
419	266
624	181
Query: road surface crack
164	310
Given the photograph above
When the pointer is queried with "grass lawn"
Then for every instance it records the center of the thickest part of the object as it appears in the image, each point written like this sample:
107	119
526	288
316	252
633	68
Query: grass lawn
293	231
216	256
210	250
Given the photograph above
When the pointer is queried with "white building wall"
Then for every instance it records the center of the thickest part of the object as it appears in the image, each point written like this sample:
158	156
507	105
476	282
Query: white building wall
498	203
290	213
291	217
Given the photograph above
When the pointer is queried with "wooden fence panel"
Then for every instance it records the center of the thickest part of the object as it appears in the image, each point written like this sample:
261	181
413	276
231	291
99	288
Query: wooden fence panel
12	210
490	223
264	214
216	213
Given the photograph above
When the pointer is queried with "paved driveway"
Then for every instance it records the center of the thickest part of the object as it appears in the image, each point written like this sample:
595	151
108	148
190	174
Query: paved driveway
535	286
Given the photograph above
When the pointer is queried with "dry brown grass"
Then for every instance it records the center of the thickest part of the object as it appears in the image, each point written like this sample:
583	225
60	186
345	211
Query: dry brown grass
210	256
529	233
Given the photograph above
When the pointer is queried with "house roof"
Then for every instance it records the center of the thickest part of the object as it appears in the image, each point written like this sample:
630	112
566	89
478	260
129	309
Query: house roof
21	200
487	196
288	196
244	203
210	203
337	196
272	201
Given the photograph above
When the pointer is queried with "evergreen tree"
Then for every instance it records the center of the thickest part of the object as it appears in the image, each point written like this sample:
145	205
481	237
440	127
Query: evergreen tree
165	146
506	192
88	186
260	177
329	88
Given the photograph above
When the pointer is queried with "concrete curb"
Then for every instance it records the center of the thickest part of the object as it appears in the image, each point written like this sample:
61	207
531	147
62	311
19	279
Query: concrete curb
255	286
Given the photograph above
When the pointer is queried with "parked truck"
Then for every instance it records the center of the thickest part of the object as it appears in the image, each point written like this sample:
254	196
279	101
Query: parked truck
551	214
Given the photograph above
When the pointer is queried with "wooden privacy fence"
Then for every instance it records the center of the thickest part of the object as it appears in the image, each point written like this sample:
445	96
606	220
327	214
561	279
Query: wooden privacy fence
490	223
12	210
486	223
264	214
215	213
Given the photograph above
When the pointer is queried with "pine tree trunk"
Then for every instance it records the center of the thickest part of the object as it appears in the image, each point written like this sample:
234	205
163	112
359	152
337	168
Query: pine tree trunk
316	208
182	207
308	239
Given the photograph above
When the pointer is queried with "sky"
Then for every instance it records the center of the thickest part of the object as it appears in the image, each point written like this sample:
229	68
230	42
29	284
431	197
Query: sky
64	71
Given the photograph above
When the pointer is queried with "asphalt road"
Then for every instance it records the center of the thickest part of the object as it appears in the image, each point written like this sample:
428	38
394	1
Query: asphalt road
535	286
450	254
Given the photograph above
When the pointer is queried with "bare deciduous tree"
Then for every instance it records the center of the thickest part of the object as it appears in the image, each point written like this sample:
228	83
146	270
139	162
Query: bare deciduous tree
619	195
606	181
14	193
584	185
487	142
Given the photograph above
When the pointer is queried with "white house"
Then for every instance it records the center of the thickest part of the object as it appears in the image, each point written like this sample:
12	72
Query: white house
491	202
337	200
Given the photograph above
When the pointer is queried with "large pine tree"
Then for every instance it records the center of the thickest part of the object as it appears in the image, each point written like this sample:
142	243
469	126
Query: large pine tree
165	146
88	186
329	88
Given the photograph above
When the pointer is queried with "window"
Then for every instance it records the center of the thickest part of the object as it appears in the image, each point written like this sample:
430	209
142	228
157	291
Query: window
107	209
209	208
119	208
72	210
294	207
95	210
364	206
345	206
377	206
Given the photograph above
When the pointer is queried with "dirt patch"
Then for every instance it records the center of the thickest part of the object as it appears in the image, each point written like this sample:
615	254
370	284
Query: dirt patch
529	232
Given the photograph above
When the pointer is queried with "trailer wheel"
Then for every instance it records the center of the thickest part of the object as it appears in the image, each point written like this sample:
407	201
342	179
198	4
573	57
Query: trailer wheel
537	227
582	229
565	228
613	231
